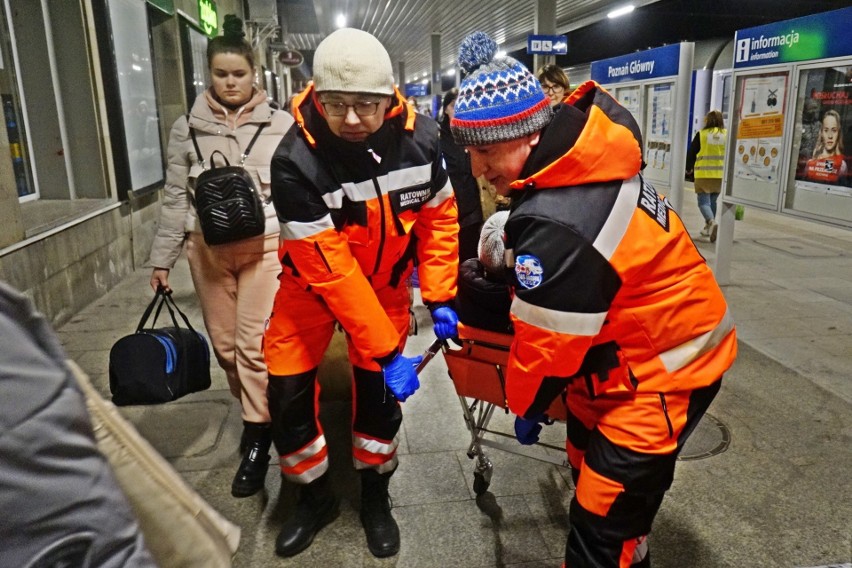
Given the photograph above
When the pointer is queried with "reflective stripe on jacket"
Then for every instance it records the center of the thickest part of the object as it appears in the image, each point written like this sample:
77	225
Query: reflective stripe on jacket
609	288
711	157
348	212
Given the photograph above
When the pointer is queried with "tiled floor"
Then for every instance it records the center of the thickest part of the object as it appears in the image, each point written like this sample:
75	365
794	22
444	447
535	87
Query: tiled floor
779	495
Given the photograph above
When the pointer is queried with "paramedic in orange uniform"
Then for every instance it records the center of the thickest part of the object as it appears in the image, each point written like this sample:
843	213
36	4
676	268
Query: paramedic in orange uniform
614	308
360	191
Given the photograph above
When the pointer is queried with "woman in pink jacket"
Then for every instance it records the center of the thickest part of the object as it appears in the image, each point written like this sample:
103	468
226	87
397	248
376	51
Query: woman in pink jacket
235	282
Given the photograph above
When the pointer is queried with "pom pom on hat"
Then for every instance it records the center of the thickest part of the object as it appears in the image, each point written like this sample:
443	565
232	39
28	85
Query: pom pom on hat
499	100
476	50
353	61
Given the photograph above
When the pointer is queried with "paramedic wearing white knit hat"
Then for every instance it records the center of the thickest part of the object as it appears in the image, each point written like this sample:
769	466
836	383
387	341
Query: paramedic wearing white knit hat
351	71
353	185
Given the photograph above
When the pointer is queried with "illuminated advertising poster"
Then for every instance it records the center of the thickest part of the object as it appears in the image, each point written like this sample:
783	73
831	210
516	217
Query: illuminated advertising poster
757	154
826	126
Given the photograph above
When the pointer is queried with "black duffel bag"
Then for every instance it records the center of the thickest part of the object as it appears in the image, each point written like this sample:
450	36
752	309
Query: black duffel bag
156	365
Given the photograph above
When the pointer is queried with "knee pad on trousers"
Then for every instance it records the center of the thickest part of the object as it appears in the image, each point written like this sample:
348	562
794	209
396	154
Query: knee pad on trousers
292	407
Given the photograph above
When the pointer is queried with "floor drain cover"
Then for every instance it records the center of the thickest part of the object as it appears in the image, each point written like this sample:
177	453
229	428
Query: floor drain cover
711	437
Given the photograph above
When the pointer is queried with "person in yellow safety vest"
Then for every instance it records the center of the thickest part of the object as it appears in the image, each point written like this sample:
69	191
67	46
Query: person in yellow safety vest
705	160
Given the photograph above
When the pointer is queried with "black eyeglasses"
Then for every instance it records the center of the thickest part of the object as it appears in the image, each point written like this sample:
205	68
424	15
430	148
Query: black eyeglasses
551	88
339	108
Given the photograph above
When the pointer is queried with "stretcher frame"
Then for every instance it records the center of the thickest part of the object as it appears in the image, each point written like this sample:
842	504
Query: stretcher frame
476	369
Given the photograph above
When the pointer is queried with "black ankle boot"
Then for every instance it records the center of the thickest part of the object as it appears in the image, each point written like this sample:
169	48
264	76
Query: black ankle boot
379	525
317	507
251	475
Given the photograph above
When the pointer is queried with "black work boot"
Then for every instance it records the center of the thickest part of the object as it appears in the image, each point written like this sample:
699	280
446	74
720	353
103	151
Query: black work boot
317	507
254	445
379	525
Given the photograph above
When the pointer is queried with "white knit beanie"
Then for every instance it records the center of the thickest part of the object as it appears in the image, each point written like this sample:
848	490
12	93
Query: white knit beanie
352	61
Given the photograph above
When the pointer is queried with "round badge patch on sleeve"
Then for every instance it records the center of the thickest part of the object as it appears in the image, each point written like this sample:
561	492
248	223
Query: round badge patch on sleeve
528	271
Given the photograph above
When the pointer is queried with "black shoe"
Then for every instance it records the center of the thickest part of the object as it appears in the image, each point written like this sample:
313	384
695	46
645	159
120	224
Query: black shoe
317	507
251	475
379	525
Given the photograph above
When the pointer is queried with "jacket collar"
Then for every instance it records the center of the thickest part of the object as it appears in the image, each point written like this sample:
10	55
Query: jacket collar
307	110
591	139
202	118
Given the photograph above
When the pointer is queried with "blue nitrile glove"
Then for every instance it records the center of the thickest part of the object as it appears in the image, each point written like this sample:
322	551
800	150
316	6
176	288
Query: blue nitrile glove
446	322
401	376
527	430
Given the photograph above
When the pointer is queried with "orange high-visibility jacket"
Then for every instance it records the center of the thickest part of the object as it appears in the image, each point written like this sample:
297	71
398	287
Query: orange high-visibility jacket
348	212
609	287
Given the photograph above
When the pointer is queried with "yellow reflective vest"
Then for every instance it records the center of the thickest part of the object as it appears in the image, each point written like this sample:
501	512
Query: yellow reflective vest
711	156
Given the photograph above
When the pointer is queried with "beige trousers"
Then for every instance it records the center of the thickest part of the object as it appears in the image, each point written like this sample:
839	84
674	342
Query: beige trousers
236	284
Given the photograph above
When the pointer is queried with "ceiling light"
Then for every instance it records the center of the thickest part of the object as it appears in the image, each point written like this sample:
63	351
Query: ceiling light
621	11
501	53
340	21
450	73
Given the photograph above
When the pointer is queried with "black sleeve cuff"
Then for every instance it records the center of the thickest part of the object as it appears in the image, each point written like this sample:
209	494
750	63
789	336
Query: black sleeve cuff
386	359
432	306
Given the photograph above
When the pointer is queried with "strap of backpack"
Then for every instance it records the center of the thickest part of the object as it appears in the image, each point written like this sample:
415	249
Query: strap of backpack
195	143
250	144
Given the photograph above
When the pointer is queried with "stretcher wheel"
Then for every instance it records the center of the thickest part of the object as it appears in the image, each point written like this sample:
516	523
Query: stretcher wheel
480	484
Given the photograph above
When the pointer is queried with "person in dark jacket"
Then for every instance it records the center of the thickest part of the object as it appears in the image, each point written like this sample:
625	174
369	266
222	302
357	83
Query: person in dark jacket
465	187
613	307
59	499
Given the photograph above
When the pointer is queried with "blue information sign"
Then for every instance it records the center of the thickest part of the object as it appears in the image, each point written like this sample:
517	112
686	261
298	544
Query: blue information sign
649	64
819	36
416	90
547	44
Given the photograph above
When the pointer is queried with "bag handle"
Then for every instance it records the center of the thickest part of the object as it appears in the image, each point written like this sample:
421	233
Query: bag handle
162	297
213	161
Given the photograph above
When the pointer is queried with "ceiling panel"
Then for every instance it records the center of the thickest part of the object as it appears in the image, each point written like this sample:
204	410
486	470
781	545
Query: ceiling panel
405	27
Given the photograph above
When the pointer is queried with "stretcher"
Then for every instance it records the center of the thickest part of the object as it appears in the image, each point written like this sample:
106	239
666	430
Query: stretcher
476	368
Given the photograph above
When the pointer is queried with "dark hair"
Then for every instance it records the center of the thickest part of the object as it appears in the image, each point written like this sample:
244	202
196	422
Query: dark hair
449	97
554	74
231	41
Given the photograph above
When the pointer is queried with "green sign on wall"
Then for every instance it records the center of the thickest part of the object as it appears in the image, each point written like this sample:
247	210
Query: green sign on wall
207	17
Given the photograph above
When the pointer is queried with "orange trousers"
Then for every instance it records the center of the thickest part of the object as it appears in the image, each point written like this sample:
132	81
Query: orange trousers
297	336
622	450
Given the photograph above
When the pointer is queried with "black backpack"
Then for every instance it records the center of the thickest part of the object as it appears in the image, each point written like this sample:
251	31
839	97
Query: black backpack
228	204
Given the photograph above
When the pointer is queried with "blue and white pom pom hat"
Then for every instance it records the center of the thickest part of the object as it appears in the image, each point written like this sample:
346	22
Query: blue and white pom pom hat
499	100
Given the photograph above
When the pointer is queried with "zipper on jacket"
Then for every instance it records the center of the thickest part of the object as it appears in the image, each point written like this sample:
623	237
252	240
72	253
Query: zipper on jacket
666	414
382	226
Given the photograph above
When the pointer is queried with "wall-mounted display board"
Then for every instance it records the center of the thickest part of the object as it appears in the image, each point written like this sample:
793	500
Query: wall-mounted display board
791	133
788	145
654	85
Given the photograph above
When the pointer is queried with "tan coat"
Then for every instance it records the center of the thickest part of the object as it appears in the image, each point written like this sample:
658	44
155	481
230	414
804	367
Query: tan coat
177	214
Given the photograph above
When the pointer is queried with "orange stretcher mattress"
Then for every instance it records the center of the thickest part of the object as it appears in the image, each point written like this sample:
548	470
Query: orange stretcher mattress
478	368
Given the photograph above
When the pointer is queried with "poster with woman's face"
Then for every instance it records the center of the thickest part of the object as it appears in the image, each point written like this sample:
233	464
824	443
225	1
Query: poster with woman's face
824	150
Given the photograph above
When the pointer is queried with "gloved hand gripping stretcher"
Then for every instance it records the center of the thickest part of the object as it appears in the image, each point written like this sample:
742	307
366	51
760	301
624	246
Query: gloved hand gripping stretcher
476	362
